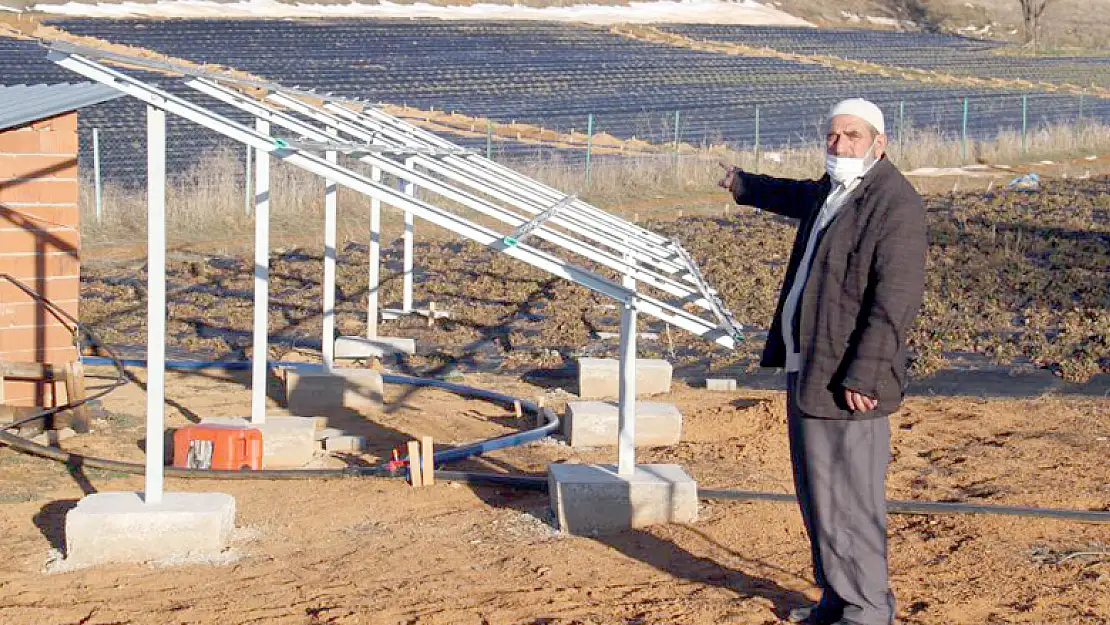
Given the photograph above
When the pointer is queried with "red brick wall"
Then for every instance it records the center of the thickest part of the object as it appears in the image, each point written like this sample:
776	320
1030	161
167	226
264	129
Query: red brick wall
39	246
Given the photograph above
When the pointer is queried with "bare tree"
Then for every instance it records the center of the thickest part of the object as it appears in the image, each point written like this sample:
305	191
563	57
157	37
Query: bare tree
1031	12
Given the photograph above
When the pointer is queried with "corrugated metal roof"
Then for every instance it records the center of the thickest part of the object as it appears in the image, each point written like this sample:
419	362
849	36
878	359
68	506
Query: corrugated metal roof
22	104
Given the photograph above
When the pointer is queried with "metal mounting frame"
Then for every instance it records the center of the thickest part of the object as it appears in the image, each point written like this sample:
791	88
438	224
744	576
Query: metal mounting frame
656	276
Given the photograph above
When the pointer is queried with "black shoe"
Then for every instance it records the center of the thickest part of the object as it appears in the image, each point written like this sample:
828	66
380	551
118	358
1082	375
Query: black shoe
814	615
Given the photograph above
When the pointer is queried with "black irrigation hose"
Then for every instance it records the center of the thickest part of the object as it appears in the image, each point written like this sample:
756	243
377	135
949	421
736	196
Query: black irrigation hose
527	482
121	374
75	460
928	507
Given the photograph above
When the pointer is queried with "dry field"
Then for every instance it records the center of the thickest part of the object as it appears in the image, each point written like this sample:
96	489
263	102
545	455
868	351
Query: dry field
369	551
1015	277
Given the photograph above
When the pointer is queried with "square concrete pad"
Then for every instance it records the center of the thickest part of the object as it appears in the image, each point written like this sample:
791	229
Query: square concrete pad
120	527
595	500
378	347
287	442
720	384
594	423
332	393
599	378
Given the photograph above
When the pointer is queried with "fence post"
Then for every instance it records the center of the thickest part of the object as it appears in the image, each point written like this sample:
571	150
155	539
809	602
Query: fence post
96	175
589	145
1024	123
963	134
677	120
901	125
1080	108
489	139
248	191
757	139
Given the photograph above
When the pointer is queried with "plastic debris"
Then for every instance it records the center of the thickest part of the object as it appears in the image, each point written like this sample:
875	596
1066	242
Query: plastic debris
1029	182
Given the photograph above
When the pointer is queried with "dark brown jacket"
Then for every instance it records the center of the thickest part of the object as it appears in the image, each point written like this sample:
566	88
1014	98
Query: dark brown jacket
865	287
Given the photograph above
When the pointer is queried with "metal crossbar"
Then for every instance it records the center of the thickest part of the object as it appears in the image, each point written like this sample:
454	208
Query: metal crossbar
279	118
359	149
724	315
528	228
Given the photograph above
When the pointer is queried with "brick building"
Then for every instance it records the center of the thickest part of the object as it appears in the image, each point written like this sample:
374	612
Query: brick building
40	240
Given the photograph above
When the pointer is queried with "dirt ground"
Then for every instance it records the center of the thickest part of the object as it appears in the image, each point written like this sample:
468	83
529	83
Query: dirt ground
378	551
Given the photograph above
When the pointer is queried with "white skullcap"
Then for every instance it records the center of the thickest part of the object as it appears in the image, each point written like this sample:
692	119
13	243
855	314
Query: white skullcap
863	109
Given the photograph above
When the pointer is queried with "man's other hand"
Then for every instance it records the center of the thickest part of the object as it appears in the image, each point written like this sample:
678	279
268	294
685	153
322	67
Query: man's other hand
859	402
729	176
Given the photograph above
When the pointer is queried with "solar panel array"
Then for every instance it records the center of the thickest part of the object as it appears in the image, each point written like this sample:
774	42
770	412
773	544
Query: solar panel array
928	51
556	75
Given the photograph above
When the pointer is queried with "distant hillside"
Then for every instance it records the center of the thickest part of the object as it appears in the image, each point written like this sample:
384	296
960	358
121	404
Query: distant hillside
1067	23
1080	23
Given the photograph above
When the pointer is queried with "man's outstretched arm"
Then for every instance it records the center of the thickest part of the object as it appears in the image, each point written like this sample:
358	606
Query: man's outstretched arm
782	196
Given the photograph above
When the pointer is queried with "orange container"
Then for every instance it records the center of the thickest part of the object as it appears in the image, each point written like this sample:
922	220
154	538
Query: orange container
220	447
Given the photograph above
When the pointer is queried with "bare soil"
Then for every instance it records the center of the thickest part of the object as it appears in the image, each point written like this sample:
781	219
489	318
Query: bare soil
378	551
1016	278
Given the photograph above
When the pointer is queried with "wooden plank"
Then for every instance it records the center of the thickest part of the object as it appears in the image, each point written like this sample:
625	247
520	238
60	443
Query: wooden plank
415	477
27	370
75	391
427	457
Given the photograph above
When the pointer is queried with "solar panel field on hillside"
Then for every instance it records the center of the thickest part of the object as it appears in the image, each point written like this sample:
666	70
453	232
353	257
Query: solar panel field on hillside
557	75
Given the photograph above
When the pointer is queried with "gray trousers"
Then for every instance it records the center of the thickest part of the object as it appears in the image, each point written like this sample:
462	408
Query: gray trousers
840	478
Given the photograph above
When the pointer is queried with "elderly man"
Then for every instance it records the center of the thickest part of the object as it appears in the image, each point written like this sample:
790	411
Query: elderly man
853	286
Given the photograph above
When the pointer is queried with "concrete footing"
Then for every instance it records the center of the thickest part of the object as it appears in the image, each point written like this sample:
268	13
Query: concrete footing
599	378
720	384
595	500
121	527
287	442
332	393
594	424
361	347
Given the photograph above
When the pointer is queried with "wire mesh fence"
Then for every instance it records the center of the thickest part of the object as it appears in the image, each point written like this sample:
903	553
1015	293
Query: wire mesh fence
113	143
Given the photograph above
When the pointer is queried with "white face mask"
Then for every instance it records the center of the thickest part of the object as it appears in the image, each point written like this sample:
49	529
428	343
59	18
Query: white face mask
846	169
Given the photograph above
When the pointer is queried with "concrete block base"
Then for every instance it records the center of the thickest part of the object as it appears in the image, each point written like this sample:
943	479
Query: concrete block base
379	347
594	424
599	378
594	500
345	443
332	393
720	384
287	442
120	527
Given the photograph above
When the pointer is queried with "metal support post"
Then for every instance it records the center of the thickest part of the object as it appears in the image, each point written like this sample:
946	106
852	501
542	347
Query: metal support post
410	222
327	339
374	286
248	188
261	278
156	302
96	176
626	437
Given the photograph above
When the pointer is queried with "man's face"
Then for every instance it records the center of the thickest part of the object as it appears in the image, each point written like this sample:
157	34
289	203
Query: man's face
850	136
